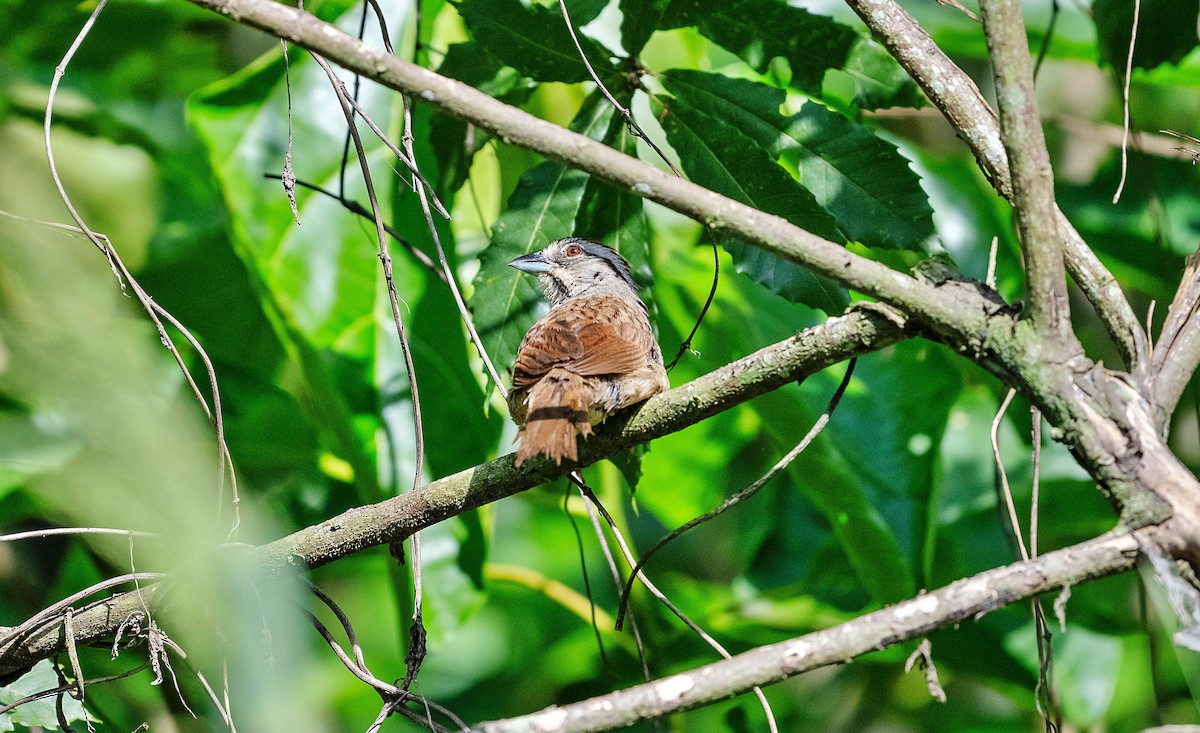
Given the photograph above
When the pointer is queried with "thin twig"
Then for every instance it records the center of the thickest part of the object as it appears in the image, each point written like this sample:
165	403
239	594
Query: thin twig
56	531
1133	33
356	208
742	495
594	506
1002	475
105	246
385	258
70	685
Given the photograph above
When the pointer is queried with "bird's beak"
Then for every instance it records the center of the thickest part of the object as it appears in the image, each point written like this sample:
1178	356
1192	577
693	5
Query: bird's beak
532	263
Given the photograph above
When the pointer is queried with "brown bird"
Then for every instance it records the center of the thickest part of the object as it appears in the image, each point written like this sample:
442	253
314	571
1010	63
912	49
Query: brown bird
590	356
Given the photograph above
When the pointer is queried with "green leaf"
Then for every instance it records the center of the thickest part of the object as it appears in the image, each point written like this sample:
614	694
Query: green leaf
1166	31
533	39
541	209
617	217
40	713
759	31
715	154
454	141
640	18
878	80
872	469
860	179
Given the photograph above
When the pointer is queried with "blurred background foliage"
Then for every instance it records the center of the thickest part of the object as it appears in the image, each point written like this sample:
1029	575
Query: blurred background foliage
169	124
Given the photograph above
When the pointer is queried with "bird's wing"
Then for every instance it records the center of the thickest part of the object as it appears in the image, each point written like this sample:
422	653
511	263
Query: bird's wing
589	337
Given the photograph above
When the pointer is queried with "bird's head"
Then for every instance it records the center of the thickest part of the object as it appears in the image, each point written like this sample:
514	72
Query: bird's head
572	268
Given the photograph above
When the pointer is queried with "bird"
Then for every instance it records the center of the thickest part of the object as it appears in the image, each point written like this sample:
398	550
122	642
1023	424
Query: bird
590	356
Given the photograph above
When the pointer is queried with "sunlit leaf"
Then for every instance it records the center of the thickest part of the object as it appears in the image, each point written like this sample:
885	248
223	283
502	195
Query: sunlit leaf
762	30
533	39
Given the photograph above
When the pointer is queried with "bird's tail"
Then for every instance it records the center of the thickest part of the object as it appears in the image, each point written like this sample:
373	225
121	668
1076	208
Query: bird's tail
558	408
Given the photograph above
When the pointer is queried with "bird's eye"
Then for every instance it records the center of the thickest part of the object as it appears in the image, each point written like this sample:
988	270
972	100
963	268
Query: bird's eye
574	250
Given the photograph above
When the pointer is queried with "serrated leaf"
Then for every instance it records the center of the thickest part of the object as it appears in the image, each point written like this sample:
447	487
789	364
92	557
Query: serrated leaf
879	81
759	31
717	155
541	209
1166	31
533	39
861	180
640	18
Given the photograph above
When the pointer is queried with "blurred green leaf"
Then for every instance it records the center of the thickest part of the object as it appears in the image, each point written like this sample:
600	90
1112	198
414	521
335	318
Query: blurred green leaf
534	40
33	444
1166	31
717	155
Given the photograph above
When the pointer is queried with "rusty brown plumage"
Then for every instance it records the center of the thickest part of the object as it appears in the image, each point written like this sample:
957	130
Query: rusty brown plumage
590	356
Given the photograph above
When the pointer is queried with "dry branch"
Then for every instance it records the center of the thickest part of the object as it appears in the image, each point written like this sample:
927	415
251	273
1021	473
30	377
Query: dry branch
962	600
397	518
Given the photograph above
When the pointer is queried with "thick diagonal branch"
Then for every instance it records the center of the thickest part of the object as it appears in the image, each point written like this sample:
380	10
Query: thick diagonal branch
959	99
397	518
947	316
1030	173
959	601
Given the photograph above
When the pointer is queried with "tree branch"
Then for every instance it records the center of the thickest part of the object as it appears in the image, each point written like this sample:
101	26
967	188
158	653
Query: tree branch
1177	353
955	321
397	518
959	99
1031	176
964	599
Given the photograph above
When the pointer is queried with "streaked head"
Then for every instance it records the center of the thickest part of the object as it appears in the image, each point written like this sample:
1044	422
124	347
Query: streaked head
572	267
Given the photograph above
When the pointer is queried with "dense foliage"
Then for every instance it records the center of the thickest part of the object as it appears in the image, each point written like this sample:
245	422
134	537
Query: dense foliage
171	131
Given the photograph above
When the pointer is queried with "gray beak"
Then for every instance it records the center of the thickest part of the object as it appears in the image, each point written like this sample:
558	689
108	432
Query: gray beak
532	263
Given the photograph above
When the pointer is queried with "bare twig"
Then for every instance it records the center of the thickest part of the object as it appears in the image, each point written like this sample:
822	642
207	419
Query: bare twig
593	505
1177	354
105	246
742	495
55	531
923	655
1133	33
356	208
1002	484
